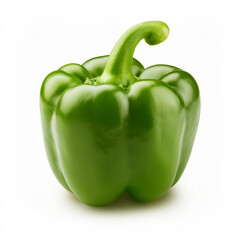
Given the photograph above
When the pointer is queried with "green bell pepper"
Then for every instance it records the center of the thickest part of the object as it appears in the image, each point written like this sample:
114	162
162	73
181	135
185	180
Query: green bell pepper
110	126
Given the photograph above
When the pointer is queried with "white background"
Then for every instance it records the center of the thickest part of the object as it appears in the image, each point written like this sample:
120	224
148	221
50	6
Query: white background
37	37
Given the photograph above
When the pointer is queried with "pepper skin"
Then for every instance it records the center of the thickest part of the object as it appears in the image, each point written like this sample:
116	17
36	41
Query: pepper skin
110	126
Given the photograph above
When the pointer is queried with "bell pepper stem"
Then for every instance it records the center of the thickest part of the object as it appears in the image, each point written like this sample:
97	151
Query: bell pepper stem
118	68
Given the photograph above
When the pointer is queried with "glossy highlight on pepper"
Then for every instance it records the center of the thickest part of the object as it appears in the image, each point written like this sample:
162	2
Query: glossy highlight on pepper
110	126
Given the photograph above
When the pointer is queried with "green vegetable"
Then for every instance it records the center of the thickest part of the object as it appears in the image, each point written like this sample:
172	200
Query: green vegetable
110	126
